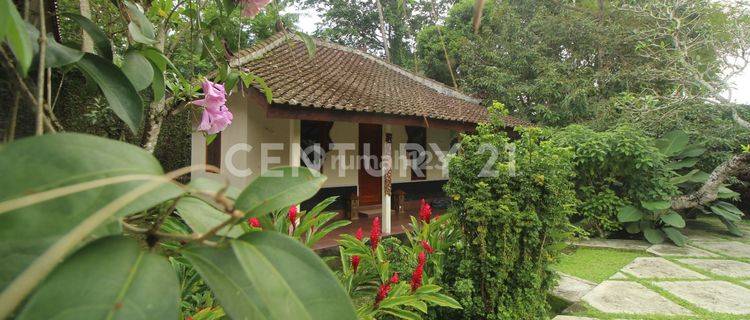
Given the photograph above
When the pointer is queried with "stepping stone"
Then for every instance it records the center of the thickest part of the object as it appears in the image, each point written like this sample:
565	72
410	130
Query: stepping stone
632	298
668	250
571	288
571	318
618	276
714	296
637	245
659	268
729	248
728	268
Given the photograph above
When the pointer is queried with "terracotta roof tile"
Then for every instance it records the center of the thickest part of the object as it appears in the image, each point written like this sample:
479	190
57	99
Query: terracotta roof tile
343	78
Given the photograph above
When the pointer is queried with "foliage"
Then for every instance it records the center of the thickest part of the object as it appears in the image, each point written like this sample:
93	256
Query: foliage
613	168
95	188
683	158
513	224
366	272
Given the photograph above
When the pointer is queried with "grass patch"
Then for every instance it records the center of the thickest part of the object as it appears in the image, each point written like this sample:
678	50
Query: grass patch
596	265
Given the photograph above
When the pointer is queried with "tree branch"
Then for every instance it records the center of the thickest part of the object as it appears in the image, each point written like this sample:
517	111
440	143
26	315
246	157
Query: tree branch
709	191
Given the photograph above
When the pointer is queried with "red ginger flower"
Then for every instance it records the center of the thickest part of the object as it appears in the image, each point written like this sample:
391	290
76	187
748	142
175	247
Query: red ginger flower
293	215
375	233
382	293
427	247
253	222
425	211
421	259
359	235
355	263
416	277
394	278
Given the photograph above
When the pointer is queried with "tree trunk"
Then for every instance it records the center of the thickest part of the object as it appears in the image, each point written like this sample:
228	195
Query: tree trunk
709	191
157	109
382	31
88	44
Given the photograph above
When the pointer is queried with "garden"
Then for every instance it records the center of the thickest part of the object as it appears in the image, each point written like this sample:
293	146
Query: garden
630	181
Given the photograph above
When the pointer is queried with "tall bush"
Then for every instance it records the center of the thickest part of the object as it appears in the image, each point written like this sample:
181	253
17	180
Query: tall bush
513	224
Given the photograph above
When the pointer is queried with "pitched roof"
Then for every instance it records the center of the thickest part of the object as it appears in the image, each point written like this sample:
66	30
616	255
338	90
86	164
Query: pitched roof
342	78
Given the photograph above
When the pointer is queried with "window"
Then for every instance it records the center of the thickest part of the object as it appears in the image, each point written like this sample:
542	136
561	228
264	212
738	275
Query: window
315	133
213	151
417	157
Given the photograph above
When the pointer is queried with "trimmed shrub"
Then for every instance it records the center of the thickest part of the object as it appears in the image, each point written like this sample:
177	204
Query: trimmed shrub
513	224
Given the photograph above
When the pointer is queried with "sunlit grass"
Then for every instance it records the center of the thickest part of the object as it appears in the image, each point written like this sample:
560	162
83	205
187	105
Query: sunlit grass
595	265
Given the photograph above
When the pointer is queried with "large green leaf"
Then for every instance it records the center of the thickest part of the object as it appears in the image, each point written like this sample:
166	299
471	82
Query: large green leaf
629	214
138	69
100	39
654	236
674	219
140	28
123	98
59	55
731	226
34	165
111	278
657	205
13	31
279	188
684	163
267	275
202	217
676	236
693	150
673	143
727	211
212	185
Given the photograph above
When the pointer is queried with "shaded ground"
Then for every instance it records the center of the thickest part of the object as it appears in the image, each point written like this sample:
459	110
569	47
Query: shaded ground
709	279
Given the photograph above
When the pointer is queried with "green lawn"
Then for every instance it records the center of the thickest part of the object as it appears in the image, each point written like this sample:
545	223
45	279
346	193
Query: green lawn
595	265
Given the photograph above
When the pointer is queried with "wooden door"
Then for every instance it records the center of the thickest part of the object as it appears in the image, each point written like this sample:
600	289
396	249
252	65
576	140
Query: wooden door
370	185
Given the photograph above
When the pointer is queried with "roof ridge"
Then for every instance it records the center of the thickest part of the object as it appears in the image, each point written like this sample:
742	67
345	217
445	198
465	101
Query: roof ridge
259	49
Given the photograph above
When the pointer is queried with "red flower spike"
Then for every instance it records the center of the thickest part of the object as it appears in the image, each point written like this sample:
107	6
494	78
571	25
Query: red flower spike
293	215
359	235
253	222
427	247
382	293
375	233
394	278
355	263
421	259
425	211
416	277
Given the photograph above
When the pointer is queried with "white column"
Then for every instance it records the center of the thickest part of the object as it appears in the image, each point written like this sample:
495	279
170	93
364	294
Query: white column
295	149
387	165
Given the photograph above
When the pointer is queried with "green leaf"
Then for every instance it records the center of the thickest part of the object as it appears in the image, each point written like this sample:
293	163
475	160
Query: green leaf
674	219
309	44
692	151
101	41
441	300
402	314
684	163
44	163
633	227
111	278
267	275
727	211
656	205
699	177
731	227
138	70
59	55
726	193
15	35
672	143
653	236
676	236
279	188
158	58
202	217
123	98
157	85
212	185
629	214
140	27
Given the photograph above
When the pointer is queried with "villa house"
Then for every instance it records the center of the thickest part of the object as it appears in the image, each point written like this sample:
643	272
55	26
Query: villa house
347	103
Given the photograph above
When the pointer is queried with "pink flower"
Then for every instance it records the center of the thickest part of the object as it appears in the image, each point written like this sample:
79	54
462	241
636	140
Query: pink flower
216	116
253	222
427	247
394	278
375	233
293	215
355	263
252	7
359	235
425	211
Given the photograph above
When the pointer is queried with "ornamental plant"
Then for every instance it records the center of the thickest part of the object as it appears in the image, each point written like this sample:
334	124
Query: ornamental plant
513	222
373	276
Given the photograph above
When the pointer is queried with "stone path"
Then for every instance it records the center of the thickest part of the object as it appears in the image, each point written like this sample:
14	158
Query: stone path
708	278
